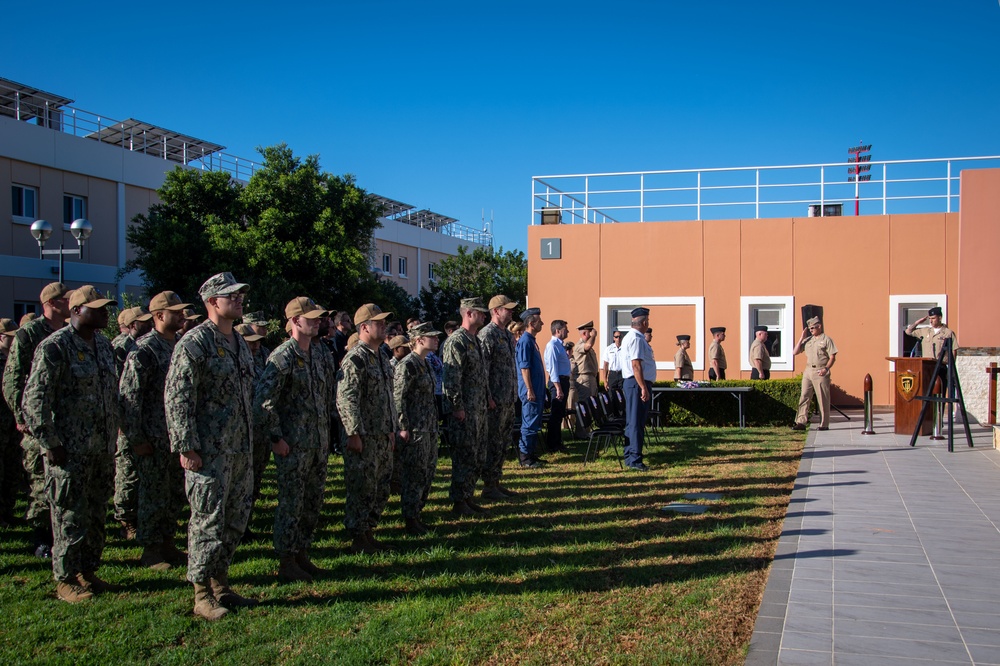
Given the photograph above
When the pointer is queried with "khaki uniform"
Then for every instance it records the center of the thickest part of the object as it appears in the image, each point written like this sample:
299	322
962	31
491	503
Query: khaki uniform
294	401
208	401
717	353
465	389
71	400
759	352
364	402
416	412
15	377
818	350
931	343
497	344
126	476
144	421
683	362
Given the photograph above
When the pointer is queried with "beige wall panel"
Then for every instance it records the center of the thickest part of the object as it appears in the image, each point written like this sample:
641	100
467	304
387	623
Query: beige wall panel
917	254
978	317
722	270
766	257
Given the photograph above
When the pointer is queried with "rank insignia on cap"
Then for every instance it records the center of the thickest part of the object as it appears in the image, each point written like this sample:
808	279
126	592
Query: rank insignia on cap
81	356
222	352
301	363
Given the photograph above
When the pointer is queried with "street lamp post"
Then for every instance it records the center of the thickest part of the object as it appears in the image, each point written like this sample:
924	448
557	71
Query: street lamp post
42	231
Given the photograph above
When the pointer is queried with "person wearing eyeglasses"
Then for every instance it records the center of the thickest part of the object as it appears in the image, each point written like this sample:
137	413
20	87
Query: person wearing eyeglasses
611	367
821	354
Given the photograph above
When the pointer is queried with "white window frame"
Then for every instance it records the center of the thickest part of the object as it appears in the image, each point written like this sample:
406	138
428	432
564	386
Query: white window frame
386	263
402	266
24	219
610	303
430	271
896	304
785	362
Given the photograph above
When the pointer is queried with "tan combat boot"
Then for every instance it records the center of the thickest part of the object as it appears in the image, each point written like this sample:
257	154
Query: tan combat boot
225	595
89	580
302	559
290	571
153	558
206	605
72	592
492	492
415	527
375	543
129	530
173	554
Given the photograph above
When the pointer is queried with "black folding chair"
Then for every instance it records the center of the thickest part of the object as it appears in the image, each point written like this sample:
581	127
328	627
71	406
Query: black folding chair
598	436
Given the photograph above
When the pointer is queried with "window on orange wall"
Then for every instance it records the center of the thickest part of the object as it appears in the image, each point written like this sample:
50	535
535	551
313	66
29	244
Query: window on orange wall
777	313
402	267
387	264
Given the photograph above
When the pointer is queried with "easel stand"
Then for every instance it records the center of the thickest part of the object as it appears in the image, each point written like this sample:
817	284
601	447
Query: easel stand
952	396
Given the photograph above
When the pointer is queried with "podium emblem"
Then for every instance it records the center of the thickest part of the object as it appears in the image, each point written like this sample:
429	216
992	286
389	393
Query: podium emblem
907	385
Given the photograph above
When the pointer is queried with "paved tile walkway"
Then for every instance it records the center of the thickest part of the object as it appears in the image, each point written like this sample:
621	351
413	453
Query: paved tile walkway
887	554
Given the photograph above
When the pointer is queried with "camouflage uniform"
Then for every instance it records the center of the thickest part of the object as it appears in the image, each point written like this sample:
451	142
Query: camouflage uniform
70	400
161	478
413	396
261	445
15	376
364	402
208	402
11	472
293	400
498	351
465	389
126	476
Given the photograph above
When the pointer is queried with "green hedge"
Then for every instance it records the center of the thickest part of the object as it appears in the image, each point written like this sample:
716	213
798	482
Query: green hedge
772	402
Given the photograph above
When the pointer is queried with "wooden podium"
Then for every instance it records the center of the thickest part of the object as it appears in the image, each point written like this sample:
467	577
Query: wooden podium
912	375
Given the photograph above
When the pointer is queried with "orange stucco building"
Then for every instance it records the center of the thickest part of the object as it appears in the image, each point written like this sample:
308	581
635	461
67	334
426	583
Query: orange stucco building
871	275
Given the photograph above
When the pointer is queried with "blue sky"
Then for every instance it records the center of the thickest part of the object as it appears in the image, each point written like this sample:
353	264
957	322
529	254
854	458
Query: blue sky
455	106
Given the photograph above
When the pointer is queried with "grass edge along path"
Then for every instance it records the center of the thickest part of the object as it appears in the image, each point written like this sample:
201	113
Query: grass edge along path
583	568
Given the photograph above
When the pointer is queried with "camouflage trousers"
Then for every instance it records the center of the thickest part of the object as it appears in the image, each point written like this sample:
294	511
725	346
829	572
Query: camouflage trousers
261	455
366	481
78	494
417	463
499	425
38	502
11	471
301	482
126	483
161	495
468	452
220	495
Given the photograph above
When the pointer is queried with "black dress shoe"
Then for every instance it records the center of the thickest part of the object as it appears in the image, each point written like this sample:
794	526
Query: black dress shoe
530	463
798	426
823	428
639	467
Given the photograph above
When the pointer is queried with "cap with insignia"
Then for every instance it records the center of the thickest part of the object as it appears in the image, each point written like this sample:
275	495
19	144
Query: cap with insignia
191	315
501	301
7	326
760	329
530	312
473	304
370	312
167	300
683	338
813	321
583	327
246	330
353	340
51	291
398	341
302	306
221	284
131	315
640	312
30	316
423	330
88	296
718	329
935	312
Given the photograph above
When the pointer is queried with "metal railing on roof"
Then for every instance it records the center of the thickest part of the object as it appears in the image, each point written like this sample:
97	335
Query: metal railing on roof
896	187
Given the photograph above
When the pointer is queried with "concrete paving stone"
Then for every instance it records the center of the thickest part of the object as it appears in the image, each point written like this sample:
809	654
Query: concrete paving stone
891	601
885	647
900	556
985	654
763	649
964	605
807	624
819	597
772	625
967	620
982	636
910	589
884	571
804	658
802	583
869	660
903	615
897	630
797	640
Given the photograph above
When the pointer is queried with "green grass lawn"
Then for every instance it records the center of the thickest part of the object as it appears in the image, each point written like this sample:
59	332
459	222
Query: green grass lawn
583	568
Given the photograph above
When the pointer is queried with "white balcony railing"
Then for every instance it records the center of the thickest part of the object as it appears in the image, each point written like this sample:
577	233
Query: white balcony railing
898	186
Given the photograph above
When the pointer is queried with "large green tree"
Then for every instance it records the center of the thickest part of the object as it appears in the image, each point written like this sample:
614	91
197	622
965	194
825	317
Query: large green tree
292	230
484	272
